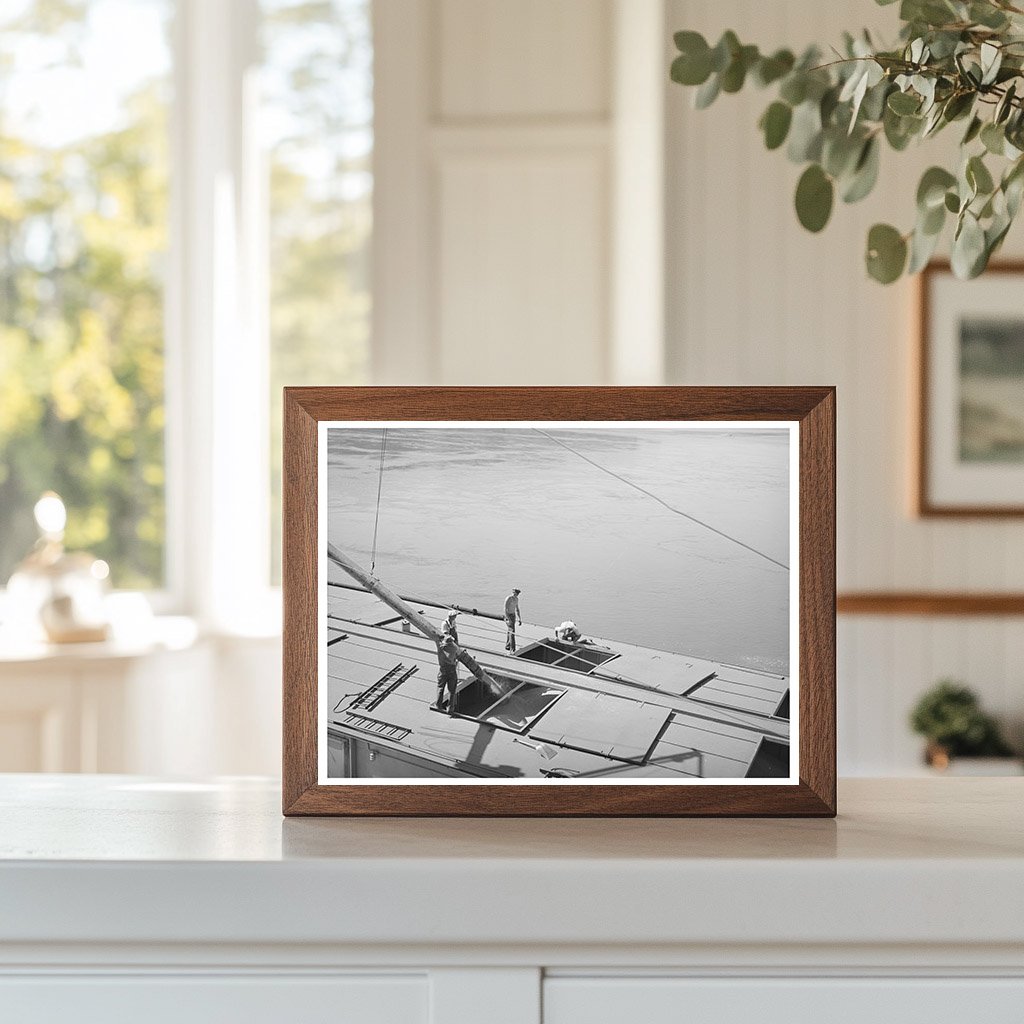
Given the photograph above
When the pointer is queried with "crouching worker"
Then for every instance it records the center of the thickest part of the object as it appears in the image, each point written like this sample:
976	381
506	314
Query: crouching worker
448	673
568	632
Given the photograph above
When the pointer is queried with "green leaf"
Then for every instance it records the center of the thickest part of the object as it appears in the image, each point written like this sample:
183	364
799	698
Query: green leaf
958	106
904	103
978	176
886	254
985	14
735	74
725	50
794	89
771	69
707	93
952	202
973	130
922	247
840	152
1005	104
991	60
693	65
865	173
814	194
900	130
931	191
775	124
805	133
993	138
969	253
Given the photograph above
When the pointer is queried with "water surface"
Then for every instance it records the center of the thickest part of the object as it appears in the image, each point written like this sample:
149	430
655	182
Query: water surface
467	514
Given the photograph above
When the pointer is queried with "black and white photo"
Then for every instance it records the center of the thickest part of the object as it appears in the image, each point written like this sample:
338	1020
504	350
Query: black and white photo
557	602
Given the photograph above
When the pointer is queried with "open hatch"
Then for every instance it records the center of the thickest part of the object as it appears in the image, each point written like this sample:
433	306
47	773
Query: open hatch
516	708
579	657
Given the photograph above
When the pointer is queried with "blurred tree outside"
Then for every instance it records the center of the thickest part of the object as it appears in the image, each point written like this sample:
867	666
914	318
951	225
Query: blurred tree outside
84	168
317	81
83	232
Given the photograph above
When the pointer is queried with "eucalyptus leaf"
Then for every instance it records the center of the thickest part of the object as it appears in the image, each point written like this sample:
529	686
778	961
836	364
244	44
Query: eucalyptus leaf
993	138
865	173
931	191
968	247
771	69
707	93
978	176
886	253
922	248
805	133
775	124
903	103
814	196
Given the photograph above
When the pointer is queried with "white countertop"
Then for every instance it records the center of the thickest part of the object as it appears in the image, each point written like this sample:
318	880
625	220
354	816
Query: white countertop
120	859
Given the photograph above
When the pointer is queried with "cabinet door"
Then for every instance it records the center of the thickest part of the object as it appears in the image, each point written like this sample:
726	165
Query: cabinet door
782	1001
202	999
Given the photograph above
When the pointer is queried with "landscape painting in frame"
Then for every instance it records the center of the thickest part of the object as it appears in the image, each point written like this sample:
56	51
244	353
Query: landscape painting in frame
972	443
558	603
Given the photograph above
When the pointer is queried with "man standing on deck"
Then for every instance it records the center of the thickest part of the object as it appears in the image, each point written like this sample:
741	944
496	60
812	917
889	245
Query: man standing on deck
448	673
512	616
450	626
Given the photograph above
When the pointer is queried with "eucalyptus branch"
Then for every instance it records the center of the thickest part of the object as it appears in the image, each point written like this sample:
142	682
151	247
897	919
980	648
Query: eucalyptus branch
955	61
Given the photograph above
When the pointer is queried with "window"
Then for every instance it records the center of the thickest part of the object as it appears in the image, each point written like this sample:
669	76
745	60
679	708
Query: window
317	119
579	657
83	237
213	176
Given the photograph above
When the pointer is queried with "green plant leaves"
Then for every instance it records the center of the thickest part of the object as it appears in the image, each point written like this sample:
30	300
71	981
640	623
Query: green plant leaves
904	103
932	189
814	196
693	65
956	60
887	253
969	254
775	122
865	173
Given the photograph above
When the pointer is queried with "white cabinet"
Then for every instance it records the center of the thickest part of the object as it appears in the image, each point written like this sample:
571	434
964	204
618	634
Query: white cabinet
783	1000
126	899
202	999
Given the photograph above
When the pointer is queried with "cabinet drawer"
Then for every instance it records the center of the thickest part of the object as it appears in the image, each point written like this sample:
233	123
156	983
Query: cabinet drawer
782	1001
202	999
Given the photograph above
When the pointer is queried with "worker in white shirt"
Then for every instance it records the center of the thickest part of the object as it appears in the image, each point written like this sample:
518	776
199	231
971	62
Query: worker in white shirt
512	616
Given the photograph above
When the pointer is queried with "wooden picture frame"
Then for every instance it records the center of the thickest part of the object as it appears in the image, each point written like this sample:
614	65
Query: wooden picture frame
948	484
807	413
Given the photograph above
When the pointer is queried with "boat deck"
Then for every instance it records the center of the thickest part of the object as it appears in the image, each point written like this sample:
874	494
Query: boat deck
640	713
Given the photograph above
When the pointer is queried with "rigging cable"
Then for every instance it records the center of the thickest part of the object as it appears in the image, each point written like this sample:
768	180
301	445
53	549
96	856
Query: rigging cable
380	482
661	501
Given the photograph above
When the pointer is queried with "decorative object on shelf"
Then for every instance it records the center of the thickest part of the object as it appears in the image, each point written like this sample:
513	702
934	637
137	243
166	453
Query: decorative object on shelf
439	542
956	61
950	717
970	423
57	594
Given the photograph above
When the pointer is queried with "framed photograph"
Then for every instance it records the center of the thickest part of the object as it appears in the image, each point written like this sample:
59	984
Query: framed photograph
970	450
559	601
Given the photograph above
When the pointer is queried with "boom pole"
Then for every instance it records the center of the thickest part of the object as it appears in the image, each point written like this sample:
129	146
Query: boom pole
393	601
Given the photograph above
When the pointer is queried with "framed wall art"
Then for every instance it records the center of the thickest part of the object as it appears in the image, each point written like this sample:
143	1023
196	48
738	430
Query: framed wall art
970	444
559	601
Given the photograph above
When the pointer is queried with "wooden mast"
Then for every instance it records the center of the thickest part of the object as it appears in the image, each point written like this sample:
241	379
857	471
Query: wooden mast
421	622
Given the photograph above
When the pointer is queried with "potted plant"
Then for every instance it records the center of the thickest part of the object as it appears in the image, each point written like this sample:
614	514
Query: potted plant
950	717
956	62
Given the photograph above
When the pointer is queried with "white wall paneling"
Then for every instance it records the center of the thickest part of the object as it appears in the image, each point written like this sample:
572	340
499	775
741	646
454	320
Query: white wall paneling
751	298
514	169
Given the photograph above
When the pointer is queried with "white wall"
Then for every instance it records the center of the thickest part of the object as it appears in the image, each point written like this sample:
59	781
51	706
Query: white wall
754	299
